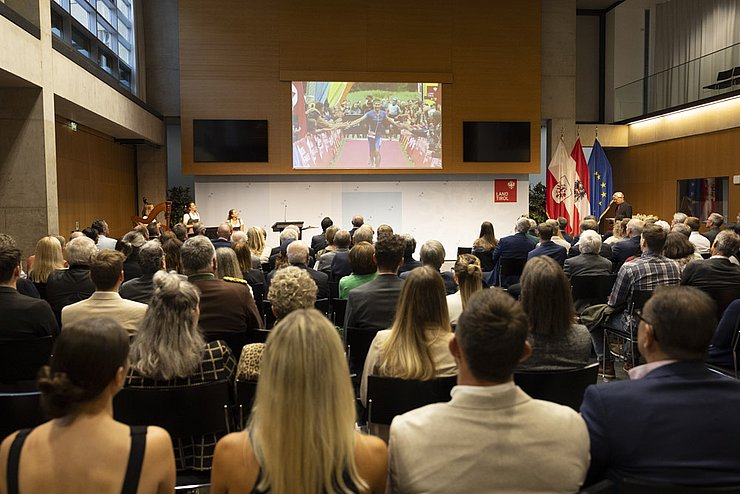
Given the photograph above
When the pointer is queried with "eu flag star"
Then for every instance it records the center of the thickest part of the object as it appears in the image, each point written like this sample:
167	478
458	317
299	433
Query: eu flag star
603	185
600	203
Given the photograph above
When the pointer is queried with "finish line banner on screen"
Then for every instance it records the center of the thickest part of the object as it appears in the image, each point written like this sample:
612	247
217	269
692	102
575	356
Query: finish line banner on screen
366	125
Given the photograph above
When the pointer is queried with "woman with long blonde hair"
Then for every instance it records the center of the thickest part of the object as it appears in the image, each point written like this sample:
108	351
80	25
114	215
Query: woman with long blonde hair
255	241
416	346
469	279
301	435
47	258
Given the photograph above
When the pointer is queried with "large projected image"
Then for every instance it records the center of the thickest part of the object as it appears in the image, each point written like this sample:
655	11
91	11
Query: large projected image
367	125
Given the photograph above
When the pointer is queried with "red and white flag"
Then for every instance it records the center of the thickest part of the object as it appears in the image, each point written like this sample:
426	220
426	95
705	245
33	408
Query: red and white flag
561	180
582	205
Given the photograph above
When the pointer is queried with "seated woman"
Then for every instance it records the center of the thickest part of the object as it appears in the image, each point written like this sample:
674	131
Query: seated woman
301	435
469	279
245	259
291	289
416	346
170	351
131	244
557	341
618	232
47	258
257	245
678	248
364	269
484	245
227	265
83	449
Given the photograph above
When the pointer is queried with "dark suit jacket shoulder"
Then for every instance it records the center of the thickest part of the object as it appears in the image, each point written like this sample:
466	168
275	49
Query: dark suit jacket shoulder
319	242
550	249
139	289
373	305
711	273
225	307
24	317
68	286
624	249
587	265
220	242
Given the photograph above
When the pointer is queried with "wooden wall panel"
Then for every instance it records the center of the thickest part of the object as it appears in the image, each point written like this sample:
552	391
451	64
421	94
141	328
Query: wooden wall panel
232	53
648	174
96	179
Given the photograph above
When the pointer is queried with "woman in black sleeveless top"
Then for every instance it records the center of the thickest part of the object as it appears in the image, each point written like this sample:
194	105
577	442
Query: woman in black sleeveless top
301	435
83	449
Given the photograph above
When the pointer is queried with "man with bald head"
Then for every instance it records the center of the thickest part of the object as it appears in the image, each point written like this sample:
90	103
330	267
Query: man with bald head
224	233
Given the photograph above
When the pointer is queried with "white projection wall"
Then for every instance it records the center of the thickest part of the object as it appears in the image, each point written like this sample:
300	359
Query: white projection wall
449	210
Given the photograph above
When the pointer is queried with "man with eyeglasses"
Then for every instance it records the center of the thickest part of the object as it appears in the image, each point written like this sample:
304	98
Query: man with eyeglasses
675	421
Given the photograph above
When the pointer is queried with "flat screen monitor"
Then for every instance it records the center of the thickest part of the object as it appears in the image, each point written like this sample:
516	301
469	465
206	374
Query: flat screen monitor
367	125
496	141
230	141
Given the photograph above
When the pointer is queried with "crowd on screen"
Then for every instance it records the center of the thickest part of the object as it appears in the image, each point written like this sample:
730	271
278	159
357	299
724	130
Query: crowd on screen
160	308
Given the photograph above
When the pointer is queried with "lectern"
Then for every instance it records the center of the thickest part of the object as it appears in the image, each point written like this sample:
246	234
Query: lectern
279	226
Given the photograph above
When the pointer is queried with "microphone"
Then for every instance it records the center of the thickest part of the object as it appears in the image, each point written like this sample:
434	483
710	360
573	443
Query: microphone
285	215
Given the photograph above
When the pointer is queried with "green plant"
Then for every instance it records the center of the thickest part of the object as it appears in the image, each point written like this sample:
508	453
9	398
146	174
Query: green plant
537	202
181	198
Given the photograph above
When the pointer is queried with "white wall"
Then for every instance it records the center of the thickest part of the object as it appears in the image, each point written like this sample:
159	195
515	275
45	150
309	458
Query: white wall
448	208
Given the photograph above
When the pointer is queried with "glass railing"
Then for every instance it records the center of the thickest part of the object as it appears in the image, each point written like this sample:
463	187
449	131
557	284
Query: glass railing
702	78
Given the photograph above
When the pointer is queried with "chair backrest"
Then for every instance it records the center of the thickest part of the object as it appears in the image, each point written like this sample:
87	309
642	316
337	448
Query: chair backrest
333	290
21	360
388	396
596	289
19	411
267	313
339	308
246	390
322	305
564	387
258	291
723	296
512	267
638	299
265	267
464	250
486	260
630	486
256	336
183	411
358	343
235	341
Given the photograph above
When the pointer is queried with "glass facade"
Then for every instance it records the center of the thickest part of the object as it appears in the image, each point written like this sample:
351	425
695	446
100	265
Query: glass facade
101	30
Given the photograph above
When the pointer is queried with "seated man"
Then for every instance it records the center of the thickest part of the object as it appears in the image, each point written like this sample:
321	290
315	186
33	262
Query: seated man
373	305
717	272
225	306
432	254
674	421
714	225
645	273
546	246
588	262
151	260
297	254
492	435
67	286
23	317
106	273
515	246
701	243
224	233
409	262
586	225
320	241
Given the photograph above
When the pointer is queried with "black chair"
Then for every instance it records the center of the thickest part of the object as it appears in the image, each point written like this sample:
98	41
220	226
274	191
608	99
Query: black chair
510	267
339	309
257	336
723	296
358	343
267	314
464	250
631	486
629	335
184	411
20	411
21	360
564	387
235	341
322	305
265	267
258	292
486	260
246	390
388	396
591	290
333	290
603	487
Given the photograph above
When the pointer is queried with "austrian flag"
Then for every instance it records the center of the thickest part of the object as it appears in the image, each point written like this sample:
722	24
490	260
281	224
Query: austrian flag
567	190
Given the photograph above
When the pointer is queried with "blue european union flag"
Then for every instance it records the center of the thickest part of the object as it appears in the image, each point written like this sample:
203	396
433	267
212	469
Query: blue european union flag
602	185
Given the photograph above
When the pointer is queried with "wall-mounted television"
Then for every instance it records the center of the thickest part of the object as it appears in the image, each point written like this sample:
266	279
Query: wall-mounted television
230	141
367	125
496	141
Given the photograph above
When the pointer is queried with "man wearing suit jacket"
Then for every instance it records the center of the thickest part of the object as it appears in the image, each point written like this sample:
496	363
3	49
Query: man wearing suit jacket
373	305
67	286
106	273
432	254
717	271
319	241
491	433
589	224
298	256
409	262
547	247
624	209
23	317
674	421
224	232
588	262
714	223
225	306
515	246
624	249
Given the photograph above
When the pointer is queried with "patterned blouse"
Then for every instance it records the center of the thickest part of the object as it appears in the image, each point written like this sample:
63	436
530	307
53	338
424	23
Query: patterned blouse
217	364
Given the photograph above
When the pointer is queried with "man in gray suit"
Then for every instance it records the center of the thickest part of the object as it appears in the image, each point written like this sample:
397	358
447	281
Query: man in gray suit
373	305
588	262
491	430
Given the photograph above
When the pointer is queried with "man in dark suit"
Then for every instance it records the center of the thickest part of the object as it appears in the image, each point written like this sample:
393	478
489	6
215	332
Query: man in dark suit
290	233
563	224
432	254
297	253
225	306
22	317
547	247
357	222
714	223
373	305
224	232
589	224
68	286
151	260
515	246
624	249
319	241
624	209
340	265
589	262
716	272
674	422
409	262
